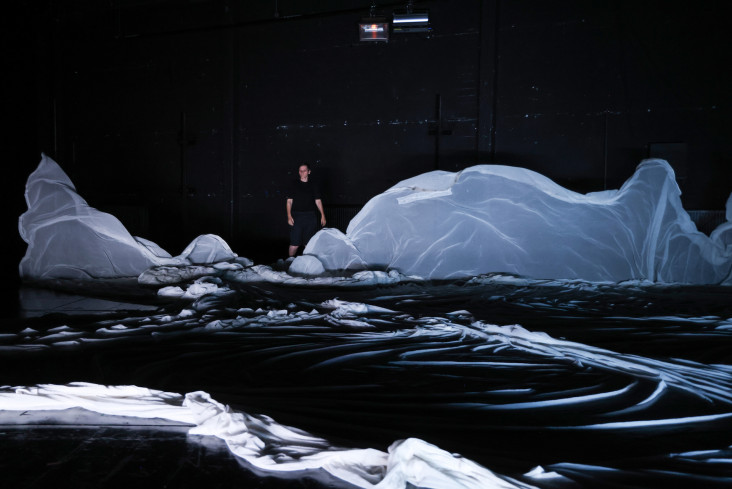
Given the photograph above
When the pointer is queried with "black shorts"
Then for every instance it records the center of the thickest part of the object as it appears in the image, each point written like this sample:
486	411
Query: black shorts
306	224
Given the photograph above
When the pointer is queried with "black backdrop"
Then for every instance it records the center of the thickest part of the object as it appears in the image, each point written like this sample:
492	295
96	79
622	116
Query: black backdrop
185	118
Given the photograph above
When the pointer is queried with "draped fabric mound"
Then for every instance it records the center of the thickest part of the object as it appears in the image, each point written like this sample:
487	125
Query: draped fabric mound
492	218
439	225
68	239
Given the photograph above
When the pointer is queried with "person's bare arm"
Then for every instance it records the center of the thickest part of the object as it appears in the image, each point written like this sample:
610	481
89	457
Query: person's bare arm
319	204
290	220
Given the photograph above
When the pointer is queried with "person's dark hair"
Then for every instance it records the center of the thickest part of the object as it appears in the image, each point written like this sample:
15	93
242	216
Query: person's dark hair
303	164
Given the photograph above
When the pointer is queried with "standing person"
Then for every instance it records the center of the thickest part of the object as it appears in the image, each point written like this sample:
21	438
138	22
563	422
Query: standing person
303	205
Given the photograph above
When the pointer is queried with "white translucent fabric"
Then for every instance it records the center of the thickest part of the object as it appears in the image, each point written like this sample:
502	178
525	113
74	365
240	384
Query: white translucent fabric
306	265
492	218
207	249
69	239
267	445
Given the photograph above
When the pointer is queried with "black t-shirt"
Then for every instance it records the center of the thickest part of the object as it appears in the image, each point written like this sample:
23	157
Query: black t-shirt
303	195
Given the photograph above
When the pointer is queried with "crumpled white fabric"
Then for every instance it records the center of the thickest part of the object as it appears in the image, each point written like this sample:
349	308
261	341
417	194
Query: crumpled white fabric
68	239
118	400
500	219
422	464
306	265
266	444
206	249
353	309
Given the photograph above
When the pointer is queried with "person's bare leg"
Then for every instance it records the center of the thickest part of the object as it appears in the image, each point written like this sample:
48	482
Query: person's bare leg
293	250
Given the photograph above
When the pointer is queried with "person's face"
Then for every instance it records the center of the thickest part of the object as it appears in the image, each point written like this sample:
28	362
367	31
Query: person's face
304	172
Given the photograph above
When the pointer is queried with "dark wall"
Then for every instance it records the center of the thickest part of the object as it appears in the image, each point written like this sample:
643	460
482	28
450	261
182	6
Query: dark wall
587	90
20	148
184	118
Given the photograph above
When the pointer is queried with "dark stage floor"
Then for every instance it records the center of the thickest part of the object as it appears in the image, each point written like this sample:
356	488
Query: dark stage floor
605	385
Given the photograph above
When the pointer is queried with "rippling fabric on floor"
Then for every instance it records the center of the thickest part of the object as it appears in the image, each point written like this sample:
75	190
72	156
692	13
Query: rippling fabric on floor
599	384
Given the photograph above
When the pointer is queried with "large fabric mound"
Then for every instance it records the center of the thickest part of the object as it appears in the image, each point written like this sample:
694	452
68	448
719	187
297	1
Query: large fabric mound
492	218
68	239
